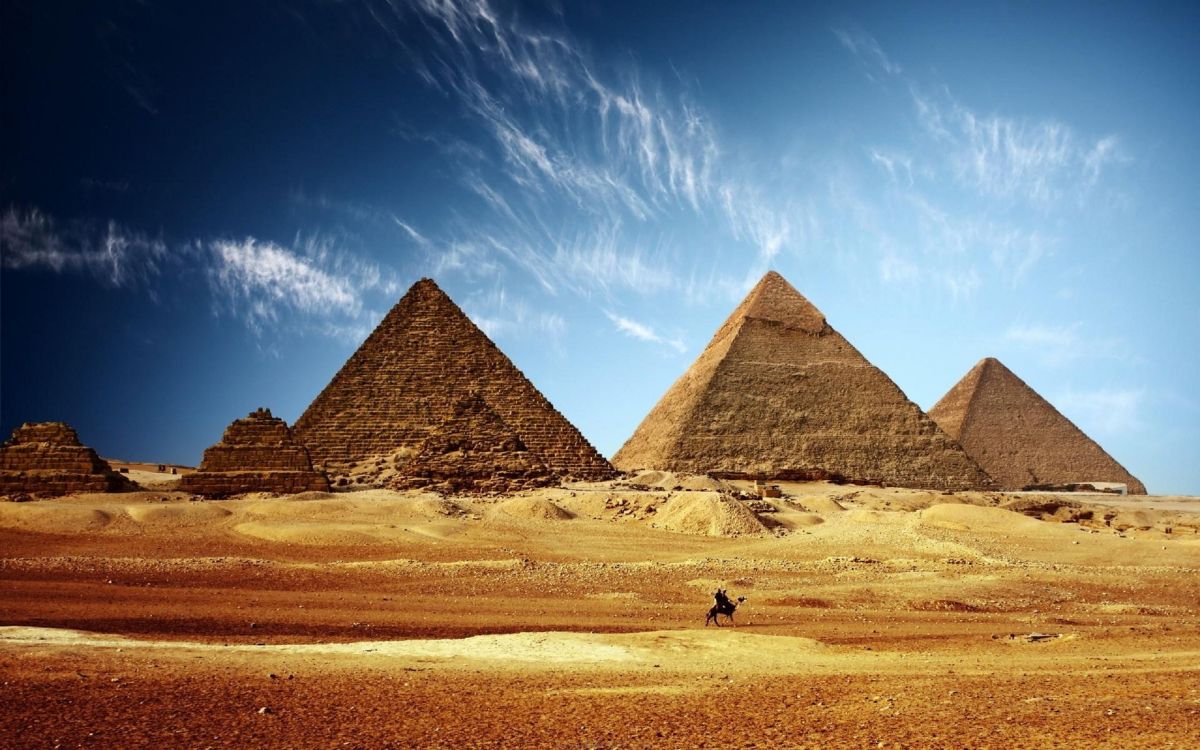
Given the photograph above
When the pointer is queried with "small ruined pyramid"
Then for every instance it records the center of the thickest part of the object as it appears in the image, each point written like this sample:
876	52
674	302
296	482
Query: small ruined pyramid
406	380
256	454
474	451
779	393
1018	437
46	458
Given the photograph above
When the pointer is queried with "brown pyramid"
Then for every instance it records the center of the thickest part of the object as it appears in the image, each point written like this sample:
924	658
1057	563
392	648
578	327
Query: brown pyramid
474	451
779	393
1018	437
256	454
46	458
406	380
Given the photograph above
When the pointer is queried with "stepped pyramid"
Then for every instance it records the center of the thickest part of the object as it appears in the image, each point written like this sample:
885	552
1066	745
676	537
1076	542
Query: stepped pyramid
779	393
474	450
1018	437
256	454
406	380
46	458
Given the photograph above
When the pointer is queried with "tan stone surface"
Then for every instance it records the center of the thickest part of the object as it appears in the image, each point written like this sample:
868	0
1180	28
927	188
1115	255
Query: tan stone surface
778	393
46	458
256	454
1018	437
408	376
474	450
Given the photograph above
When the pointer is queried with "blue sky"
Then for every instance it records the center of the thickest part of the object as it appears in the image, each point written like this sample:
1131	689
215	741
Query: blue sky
205	209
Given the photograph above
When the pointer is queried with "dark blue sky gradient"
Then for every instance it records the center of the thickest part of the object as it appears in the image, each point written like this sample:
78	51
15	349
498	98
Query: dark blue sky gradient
597	184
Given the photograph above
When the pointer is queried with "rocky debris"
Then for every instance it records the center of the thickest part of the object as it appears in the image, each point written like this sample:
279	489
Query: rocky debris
46	458
407	379
1018	437
779	394
708	514
473	451
1050	509
256	454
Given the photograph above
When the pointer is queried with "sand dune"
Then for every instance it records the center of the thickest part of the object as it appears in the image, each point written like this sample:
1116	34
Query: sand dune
943	620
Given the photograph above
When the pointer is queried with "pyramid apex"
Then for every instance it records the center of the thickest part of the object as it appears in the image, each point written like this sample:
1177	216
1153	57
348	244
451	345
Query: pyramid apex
425	282
774	299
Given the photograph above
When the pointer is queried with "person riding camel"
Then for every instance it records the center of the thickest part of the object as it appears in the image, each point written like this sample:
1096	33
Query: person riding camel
721	599
722	605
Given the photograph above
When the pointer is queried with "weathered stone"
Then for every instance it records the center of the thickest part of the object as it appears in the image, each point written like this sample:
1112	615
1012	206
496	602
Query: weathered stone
256	454
474	450
406	380
1018	437
46	458
778	393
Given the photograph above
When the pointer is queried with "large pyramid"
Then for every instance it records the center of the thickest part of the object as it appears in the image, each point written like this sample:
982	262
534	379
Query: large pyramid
407	379
1018	437
780	393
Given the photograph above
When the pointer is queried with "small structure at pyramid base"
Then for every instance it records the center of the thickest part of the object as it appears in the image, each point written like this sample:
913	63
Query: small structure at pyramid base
1019	438
46	458
474	451
256	454
779	394
405	380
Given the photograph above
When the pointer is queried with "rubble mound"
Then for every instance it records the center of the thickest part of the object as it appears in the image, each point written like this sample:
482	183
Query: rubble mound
256	454
473	451
406	381
1018	437
534	507
707	514
778	393
1050	509
46	458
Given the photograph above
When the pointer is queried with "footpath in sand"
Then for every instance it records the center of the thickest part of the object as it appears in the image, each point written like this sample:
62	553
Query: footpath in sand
574	618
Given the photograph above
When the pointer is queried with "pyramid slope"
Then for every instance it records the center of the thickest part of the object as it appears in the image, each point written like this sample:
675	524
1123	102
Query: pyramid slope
406	378
778	392
474	450
1018	437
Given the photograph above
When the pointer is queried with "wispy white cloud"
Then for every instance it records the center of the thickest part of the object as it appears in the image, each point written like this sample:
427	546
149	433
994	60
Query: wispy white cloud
262	279
898	165
1060	345
1054	337
416	236
115	255
895	268
1104	412
1037	161
580	170
867	50
643	332
1007	165
313	284
501	315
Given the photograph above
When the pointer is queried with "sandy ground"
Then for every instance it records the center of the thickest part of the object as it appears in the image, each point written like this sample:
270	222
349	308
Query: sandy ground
574	618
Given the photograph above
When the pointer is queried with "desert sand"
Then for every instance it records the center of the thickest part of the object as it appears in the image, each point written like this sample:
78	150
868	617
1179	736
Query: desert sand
573	617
